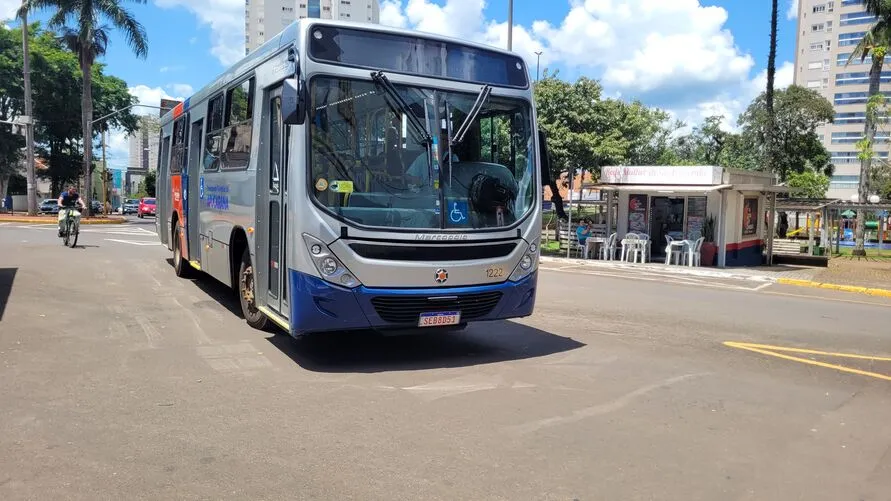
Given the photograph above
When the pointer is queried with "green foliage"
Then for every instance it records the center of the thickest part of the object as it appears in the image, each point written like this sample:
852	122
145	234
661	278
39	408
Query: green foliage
812	184
708	229
56	83
11	104
798	113
147	185
586	132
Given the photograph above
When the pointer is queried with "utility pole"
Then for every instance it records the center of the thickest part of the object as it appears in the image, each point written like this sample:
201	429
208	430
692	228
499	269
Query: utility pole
510	24
537	63
104	177
28	121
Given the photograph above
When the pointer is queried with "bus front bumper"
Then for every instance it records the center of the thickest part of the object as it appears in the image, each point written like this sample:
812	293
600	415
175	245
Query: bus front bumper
318	306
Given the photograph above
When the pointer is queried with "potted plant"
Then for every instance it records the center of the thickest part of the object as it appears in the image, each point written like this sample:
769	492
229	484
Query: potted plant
709	248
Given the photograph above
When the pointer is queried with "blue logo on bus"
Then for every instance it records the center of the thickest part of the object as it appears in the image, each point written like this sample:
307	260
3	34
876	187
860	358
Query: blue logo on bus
201	187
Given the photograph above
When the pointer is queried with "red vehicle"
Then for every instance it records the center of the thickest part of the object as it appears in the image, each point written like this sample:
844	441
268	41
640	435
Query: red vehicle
146	207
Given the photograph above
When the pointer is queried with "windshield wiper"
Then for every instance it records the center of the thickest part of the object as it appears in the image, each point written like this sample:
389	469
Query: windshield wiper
481	99
382	81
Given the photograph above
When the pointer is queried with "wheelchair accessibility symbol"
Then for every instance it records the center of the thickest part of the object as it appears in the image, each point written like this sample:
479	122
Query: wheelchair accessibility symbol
458	214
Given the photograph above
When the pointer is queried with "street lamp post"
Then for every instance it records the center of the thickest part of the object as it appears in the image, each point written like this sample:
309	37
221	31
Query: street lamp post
510	24
28	121
537	63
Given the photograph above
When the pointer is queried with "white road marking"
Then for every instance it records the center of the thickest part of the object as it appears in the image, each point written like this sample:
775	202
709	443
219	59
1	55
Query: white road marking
654	278
463	384
599	409
133	242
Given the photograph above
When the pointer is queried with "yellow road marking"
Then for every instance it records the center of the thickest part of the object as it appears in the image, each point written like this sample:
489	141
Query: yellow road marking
765	350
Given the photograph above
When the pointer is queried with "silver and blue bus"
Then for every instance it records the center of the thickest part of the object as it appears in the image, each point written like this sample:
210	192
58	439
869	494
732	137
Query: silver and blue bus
347	176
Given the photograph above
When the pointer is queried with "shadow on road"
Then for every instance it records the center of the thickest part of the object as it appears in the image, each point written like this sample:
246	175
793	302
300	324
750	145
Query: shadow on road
367	352
484	343
219	292
7	276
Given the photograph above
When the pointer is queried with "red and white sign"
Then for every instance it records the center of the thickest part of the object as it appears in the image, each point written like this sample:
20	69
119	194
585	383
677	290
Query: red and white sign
669	175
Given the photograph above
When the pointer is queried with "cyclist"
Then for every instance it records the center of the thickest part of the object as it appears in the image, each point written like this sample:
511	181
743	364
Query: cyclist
67	201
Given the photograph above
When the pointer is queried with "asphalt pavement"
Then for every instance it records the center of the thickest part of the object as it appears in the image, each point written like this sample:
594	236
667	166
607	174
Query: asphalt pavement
120	381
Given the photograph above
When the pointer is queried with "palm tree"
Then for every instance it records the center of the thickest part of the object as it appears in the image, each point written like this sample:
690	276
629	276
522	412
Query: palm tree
874	44
771	73
89	39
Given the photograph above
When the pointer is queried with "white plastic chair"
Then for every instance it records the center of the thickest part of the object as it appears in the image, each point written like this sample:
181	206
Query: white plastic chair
608	249
694	254
674	253
631	247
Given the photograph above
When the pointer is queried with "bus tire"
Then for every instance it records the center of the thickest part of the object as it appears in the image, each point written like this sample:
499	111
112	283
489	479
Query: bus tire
180	267
246	295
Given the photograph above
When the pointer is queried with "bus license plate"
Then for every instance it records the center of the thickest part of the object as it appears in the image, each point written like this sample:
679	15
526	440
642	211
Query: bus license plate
439	318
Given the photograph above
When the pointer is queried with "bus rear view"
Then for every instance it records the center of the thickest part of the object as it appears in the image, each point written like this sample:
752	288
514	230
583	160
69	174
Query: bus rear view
398	186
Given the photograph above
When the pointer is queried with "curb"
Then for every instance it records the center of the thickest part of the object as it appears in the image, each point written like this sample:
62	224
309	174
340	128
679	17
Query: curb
838	287
31	220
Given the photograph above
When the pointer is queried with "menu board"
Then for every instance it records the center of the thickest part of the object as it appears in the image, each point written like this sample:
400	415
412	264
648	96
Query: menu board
750	217
637	214
696	212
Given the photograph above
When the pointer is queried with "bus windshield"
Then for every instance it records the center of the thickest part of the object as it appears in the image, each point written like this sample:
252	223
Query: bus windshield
370	166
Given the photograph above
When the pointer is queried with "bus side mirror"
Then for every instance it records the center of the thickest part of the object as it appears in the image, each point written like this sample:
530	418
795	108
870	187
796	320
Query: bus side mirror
293	102
546	175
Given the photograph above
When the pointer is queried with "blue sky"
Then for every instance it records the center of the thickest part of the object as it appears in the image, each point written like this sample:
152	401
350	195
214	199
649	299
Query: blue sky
692	57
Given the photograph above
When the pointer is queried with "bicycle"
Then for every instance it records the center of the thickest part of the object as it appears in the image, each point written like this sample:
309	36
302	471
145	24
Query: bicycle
72	227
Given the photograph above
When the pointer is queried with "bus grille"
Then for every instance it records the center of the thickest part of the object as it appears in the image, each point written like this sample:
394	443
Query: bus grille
408	309
433	252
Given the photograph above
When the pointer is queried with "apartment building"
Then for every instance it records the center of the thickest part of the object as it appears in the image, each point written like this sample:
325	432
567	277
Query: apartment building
828	31
265	18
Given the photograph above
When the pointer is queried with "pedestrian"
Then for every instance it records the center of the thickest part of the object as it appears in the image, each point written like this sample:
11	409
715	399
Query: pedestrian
7	203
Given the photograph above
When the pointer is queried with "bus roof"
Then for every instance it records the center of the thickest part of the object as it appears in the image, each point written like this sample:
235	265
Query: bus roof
290	35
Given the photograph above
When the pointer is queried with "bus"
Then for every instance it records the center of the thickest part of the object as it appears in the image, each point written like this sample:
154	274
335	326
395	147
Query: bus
346	176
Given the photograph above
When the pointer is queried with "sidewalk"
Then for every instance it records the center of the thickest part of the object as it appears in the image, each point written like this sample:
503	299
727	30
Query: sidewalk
865	276
53	219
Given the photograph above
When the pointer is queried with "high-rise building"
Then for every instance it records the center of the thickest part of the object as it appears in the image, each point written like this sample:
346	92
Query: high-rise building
828	31
265	18
143	145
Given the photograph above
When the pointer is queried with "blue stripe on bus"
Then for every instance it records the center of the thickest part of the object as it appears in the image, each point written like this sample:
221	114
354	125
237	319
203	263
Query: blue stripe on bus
318	306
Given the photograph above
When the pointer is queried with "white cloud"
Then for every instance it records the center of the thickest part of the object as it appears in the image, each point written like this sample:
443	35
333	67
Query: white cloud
8	9
226	21
792	13
676	54
731	104
151	96
181	89
117	146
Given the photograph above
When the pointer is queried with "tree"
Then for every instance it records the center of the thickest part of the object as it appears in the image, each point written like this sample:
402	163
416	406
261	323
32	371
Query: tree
812	184
798	113
57	133
89	40
874	44
771	125
11	105
148	183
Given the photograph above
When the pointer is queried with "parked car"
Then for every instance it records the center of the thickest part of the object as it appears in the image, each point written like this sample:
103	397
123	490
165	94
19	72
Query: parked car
131	206
96	207
146	207
49	206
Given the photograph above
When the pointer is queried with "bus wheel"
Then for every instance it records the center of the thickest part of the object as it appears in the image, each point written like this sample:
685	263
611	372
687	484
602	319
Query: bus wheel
254	317
179	264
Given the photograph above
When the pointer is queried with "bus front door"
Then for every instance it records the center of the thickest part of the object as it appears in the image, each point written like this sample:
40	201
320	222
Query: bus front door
276	268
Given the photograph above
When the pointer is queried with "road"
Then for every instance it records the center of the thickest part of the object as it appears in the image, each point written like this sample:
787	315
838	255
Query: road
120	381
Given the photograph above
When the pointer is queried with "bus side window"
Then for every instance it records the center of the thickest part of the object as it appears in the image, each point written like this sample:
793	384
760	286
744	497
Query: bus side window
214	128
239	127
177	155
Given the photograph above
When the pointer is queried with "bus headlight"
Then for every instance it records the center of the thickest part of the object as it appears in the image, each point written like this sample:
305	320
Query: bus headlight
330	268
528	263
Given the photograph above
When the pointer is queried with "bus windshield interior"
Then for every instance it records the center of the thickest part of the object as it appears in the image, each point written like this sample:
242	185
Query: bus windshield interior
373	165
